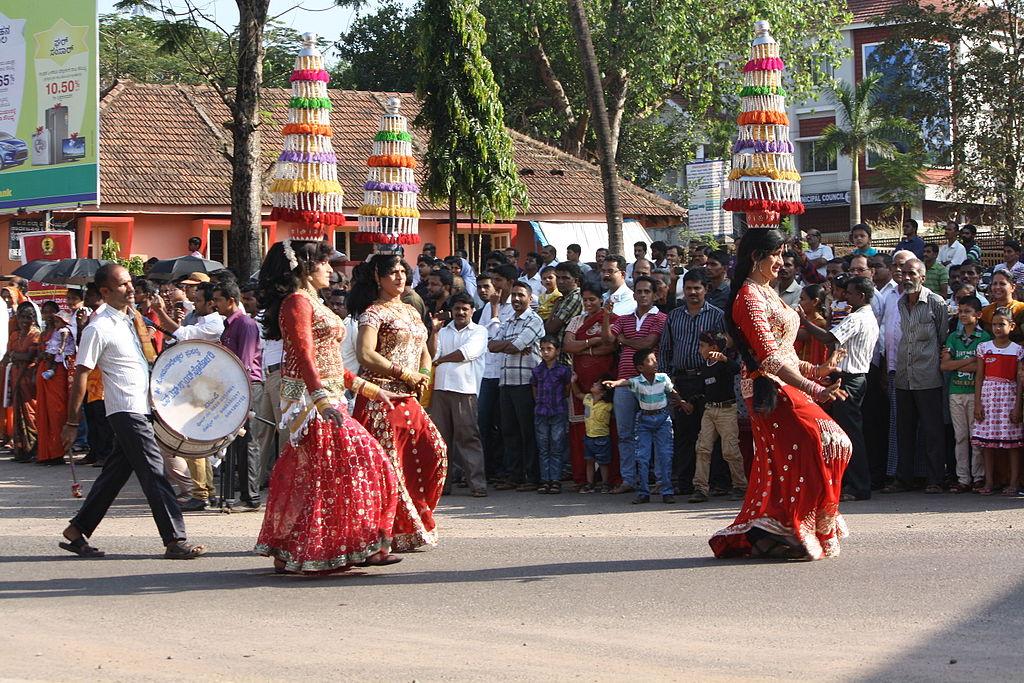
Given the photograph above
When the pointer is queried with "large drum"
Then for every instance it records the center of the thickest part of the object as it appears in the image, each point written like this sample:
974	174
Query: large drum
200	396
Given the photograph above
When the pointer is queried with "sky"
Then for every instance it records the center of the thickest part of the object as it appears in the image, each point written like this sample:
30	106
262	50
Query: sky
329	24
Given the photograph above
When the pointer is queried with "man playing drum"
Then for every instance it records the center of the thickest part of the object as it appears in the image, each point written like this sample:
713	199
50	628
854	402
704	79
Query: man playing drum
117	343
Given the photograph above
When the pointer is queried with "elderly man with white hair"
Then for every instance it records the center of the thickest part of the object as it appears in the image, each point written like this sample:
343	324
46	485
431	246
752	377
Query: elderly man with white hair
890	334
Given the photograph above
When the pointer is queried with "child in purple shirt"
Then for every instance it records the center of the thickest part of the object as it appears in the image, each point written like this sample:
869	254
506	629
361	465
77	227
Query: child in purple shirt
550	382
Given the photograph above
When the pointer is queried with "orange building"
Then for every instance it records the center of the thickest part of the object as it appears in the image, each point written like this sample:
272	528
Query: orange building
164	177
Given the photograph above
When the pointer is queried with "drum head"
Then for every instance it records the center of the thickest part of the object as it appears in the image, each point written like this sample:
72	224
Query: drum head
200	391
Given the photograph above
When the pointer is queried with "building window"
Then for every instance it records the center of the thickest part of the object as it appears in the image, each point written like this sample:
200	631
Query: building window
814	159
217	249
344	241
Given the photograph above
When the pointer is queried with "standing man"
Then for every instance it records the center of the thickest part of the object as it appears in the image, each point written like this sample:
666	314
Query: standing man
639	252
531	275
569	305
572	255
430	249
458	366
634	332
117	343
495	289
1012	262
817	253
936	276
785	284
549	255
968	237
613	276
910	241
857	334
518	340
680	358
241	337
716	269
952	253
923	326
658	249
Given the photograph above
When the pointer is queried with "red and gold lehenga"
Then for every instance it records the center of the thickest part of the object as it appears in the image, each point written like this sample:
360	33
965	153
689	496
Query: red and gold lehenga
800	453
333	491
407	434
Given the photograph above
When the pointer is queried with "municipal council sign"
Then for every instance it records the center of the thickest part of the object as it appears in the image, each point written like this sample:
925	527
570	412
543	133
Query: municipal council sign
826	199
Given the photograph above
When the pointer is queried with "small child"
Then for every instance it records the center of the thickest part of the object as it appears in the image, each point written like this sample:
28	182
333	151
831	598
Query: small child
597	443
720	419
653	391
997	408
839	308
60	346
960	360
551	294
814	307
550	382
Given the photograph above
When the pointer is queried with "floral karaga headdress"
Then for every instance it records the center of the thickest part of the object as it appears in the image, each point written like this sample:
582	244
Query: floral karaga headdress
764	183
306	193
389	214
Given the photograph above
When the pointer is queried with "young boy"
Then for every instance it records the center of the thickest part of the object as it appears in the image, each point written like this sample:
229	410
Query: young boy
550	382
551	294
958	359
720	418
654	392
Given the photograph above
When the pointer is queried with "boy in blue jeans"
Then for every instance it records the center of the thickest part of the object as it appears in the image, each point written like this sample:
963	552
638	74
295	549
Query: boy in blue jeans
655	393
550	381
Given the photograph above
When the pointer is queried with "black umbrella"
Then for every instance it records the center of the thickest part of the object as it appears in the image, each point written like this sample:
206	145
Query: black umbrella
32	269
71	271
170	269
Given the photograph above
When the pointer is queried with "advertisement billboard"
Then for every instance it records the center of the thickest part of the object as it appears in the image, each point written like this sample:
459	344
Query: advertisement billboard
707	185
49	105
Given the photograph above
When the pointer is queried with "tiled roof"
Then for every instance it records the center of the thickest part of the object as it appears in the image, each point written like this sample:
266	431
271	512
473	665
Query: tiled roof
161	145
865	10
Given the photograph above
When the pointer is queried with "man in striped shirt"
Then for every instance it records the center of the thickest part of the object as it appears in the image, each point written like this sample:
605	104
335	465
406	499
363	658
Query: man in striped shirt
680	358
634	332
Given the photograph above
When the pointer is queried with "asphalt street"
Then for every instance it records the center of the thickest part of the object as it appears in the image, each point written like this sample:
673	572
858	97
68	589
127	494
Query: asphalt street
521	587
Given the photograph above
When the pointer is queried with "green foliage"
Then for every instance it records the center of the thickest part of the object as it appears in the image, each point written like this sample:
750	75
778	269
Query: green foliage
902	181
111	250
985	80
470	153
378	51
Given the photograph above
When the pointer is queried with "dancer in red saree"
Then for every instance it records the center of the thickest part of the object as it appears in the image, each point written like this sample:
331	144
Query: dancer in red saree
792	505
392	352
333	491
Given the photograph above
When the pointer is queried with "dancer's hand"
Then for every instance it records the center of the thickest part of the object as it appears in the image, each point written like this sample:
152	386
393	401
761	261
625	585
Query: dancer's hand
831	363
389	398
334	415
834	392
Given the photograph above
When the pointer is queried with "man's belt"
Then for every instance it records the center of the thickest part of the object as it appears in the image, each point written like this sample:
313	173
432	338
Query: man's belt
274	368
720	404
689	372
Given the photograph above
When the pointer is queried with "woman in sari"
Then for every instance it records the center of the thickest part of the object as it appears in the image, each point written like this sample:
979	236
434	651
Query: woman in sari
791	509
592	361
22	351
332	497
55	348
13	298
392	353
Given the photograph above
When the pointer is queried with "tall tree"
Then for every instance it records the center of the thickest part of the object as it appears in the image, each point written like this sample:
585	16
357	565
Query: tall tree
902	181
184	28
606	140
864	127
976	47
469	156
376	53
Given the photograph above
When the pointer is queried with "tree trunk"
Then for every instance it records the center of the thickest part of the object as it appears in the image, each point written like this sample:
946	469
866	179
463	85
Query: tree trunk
855	191
599	114
246	178
453	222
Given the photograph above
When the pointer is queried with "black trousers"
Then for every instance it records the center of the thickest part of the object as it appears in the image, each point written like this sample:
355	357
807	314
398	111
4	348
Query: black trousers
847	414
517	432
135	450
101	437
685	429
489	422
921	407
875	413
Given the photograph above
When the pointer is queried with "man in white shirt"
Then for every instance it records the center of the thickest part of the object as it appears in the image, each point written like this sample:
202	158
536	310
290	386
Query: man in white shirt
816	252
111	344
639	252
495	289
952	253
531	276
613	275
458	368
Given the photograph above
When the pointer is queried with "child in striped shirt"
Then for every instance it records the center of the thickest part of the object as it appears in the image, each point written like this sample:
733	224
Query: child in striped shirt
654	392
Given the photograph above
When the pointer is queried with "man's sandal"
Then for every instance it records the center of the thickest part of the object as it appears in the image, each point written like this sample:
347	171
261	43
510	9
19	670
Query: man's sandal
184	551
81	547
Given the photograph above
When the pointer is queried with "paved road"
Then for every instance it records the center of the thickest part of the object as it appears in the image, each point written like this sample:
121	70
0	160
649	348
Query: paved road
522	587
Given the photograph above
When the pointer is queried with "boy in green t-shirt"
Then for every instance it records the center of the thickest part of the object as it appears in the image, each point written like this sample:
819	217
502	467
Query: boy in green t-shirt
959	359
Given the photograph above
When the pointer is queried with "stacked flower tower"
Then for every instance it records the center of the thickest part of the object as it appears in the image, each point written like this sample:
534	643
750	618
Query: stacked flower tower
389	215
306	195
764	181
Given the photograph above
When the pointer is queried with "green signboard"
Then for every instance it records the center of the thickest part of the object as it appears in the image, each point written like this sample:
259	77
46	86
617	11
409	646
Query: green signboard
49	103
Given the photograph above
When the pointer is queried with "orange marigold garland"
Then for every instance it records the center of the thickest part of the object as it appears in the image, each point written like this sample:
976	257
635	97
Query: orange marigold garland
764	183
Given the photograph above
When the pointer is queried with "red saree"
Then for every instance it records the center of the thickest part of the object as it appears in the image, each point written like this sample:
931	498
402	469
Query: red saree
408	436
800	453
23	394
332	492
51	407
588	369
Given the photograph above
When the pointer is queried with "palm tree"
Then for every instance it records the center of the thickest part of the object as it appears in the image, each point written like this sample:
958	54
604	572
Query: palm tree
866	128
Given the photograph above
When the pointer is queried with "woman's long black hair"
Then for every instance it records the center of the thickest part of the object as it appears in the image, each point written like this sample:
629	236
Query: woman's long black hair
364	289
278	279
755	245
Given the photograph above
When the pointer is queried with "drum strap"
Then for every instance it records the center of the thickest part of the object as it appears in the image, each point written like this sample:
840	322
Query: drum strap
145	340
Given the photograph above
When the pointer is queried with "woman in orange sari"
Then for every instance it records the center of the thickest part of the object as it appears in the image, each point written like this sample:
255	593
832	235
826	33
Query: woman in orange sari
55	348
22	350
13	297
